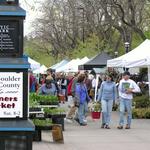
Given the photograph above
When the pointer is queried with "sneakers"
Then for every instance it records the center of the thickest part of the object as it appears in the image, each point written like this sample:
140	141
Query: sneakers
105	126
77	120
83	124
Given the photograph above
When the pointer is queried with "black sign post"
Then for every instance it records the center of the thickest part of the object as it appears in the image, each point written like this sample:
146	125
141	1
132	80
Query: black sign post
15	127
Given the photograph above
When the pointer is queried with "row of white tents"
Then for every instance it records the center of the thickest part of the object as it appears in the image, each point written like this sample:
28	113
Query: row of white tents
69	66
63	66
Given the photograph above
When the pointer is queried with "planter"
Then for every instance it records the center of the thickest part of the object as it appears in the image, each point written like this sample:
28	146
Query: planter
96	115
37	135
44	127
34	109
59	119
47	115
58	115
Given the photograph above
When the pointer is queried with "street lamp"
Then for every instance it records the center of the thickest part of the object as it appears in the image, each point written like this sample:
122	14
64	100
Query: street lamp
116	54
127	44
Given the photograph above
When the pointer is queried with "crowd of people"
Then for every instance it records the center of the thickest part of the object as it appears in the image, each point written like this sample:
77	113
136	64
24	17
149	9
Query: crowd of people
79	89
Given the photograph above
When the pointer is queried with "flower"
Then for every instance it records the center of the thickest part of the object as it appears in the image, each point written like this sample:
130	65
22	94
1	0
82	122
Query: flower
96	107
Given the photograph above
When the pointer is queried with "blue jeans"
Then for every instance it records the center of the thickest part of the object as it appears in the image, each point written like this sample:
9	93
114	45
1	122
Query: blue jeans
106	111
125	105
82	111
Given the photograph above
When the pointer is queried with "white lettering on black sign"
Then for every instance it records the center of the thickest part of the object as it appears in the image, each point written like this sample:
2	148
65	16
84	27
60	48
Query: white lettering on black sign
8	36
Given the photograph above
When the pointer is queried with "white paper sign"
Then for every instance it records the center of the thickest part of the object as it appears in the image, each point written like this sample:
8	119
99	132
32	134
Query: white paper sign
11	94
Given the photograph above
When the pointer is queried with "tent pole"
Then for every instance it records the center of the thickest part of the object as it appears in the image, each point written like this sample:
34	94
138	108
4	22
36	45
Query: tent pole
149	80
96	87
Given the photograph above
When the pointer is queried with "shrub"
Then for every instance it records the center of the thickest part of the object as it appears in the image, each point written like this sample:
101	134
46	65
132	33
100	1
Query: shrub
141	113
141	101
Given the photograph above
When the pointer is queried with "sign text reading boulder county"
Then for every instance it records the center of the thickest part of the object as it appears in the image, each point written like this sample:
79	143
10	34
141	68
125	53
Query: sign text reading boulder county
11	94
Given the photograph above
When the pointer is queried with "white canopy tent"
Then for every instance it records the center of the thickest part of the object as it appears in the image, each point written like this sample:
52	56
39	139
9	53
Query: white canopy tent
74	67
60	64
83	60
41	70
34	64
55	65
138	57
70	66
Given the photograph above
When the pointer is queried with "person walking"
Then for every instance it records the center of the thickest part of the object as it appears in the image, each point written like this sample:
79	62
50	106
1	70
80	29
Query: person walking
32	82
81	94
126	89
72	112
107	95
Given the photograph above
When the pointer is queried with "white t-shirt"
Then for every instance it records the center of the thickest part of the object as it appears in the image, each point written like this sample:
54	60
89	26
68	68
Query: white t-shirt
125	84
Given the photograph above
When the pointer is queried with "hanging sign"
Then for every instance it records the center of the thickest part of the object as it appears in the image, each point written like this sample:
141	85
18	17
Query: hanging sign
11	94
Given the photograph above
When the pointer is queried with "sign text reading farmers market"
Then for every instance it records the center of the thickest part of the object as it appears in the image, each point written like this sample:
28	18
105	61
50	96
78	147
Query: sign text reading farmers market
11	94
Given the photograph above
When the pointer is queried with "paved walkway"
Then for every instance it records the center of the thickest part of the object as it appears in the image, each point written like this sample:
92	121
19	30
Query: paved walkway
92	137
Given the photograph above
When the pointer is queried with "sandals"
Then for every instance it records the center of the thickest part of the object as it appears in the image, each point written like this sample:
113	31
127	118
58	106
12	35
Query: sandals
120	127
127	127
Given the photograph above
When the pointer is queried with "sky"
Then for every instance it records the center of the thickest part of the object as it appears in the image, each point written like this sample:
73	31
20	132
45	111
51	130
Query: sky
31	7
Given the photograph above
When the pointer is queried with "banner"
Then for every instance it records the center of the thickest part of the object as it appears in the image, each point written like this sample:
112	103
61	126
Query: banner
11	94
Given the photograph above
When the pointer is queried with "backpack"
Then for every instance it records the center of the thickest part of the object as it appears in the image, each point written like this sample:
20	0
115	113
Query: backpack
69	87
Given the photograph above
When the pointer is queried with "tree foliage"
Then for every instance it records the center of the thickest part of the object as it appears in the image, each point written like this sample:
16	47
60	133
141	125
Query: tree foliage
84	27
